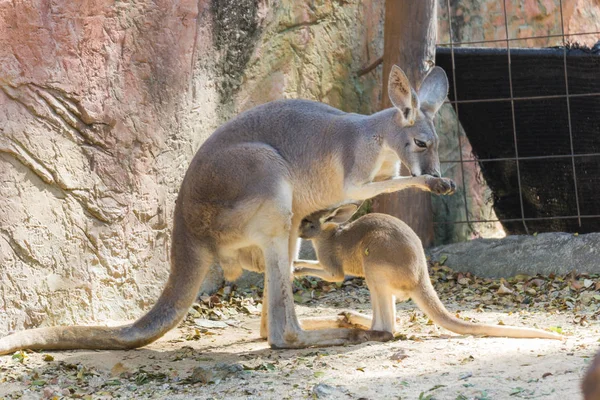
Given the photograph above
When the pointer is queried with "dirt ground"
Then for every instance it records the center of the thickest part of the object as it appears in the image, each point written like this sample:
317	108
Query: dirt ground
217	354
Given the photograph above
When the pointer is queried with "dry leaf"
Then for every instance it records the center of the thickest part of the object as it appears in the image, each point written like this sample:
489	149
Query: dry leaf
118	369
464	281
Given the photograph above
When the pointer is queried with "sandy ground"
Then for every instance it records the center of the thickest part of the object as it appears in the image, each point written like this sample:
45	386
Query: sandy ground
233	363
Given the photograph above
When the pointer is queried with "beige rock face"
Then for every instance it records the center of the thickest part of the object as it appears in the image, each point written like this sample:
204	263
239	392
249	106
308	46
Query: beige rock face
102	106
95	134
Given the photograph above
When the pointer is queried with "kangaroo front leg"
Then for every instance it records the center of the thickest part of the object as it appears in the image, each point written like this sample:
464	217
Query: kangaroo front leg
354	318
315	268
301	264
328	322
425	182
283	326
320	273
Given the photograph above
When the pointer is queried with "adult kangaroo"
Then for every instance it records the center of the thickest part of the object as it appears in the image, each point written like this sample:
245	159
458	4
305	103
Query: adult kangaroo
249	186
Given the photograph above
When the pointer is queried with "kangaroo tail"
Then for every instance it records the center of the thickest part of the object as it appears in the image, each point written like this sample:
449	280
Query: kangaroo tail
428	301
190	261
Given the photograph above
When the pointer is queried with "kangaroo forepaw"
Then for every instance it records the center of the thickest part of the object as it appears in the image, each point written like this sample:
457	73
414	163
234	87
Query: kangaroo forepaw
441	185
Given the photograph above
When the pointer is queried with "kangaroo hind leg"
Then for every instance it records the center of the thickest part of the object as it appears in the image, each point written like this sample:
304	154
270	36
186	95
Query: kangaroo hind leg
383	303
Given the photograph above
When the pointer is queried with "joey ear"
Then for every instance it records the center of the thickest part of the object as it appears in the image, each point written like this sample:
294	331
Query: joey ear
342	213
402	95
433	91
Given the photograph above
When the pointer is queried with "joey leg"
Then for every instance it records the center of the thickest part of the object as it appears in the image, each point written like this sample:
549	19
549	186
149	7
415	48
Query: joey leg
315	268
383	303
357	319
319	273
327	322
300	264
354	318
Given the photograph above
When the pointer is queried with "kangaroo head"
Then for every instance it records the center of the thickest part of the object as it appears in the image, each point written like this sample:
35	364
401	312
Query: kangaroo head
324	220
413	136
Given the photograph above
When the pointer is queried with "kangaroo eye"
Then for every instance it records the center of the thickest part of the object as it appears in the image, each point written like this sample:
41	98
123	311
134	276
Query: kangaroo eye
420	144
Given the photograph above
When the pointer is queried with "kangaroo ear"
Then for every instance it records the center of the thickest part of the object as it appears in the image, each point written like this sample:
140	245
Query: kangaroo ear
343	213
402	95
433	91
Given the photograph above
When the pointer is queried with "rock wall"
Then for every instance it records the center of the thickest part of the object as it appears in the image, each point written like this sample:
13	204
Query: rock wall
102	105
95	134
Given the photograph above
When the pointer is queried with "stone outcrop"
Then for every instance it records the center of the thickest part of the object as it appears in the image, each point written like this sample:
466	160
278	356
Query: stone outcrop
546	253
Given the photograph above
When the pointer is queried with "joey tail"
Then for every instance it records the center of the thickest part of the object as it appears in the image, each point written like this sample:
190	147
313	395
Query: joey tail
428	301
190	260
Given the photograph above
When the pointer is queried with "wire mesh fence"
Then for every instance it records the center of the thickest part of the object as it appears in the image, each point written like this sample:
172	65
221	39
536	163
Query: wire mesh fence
512	99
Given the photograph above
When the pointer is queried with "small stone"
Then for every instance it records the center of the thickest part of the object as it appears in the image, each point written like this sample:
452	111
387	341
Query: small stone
503	289
536	282
194	313
96	381
324	391
209	324
399	356
201	375
586	297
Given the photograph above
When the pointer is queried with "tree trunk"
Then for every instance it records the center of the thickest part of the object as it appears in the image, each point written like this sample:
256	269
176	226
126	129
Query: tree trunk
409	41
